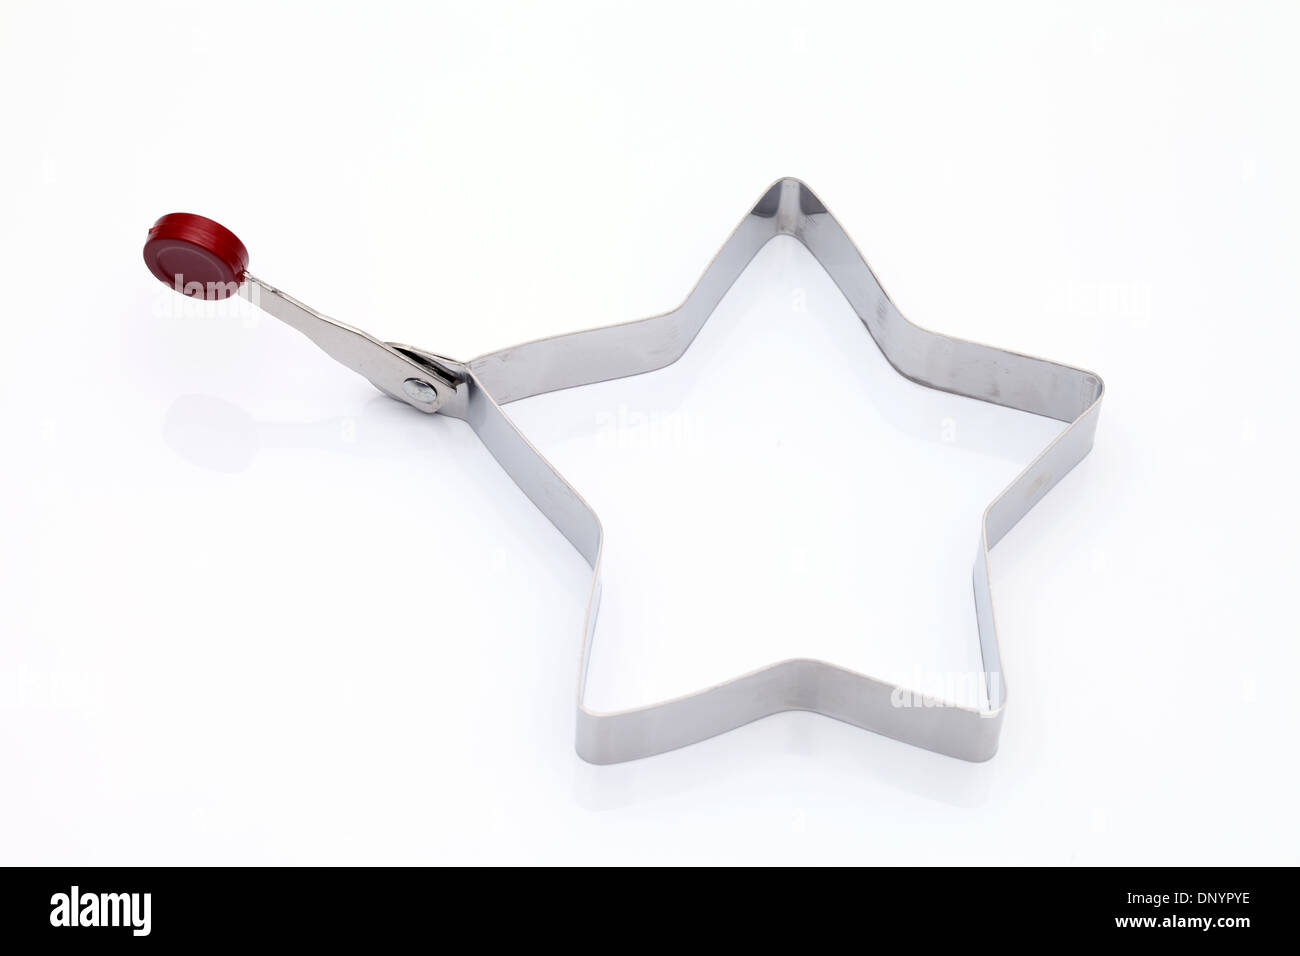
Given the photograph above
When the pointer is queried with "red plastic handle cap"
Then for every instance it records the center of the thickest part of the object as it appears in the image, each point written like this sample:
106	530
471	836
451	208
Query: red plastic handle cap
195	256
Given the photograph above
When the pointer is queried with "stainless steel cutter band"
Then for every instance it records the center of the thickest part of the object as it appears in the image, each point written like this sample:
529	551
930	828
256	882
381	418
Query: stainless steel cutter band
474	391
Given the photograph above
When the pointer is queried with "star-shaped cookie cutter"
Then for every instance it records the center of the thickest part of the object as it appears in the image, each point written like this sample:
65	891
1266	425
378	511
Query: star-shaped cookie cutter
203	259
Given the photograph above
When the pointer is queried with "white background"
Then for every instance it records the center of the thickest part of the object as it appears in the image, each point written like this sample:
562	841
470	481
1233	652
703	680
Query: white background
252	611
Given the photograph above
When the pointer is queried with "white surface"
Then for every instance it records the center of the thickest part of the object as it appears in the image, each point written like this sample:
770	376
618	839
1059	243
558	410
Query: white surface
252	611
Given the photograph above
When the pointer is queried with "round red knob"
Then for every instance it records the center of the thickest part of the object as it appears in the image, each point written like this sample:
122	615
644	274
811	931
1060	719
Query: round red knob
195	256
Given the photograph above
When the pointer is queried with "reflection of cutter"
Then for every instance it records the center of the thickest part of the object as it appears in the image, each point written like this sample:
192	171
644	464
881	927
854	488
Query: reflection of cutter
185	250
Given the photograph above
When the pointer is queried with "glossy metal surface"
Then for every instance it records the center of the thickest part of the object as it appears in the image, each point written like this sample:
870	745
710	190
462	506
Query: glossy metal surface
387	367
476	390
